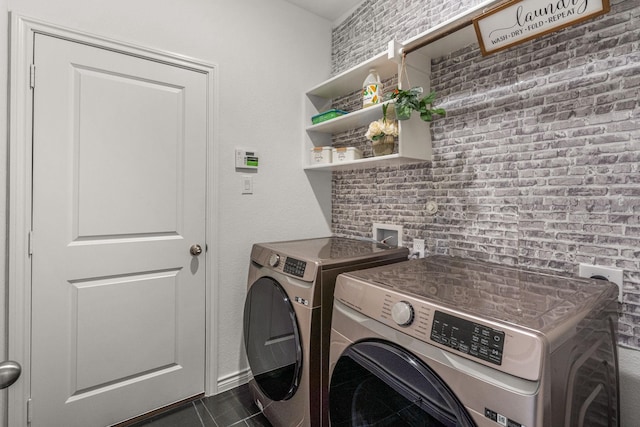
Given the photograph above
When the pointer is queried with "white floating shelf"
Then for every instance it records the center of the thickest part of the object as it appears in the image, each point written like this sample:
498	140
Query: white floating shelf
356	119
366	163
350	80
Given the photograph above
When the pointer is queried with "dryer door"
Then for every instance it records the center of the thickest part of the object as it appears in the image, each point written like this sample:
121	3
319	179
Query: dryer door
272	339
379	383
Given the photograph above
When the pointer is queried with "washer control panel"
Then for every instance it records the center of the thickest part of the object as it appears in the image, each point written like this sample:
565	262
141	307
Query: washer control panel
468	337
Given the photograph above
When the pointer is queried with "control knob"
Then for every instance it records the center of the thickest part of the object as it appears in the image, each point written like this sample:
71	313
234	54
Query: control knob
402	313
274	260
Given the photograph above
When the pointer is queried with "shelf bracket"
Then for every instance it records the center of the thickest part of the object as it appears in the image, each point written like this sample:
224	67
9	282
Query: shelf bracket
394	51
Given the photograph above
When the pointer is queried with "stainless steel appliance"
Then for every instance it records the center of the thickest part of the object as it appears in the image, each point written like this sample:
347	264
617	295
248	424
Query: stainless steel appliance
445	341
287	321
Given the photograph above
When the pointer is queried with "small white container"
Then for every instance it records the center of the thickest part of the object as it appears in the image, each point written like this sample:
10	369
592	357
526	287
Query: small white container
320	155
346	154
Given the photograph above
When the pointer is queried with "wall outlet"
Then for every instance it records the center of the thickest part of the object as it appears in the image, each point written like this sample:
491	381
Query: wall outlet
597	272
418	247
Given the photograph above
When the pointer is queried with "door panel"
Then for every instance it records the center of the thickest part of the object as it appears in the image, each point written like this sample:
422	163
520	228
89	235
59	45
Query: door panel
118	309
111	203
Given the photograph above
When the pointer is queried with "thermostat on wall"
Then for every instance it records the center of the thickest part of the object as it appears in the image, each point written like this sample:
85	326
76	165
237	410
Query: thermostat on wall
246	159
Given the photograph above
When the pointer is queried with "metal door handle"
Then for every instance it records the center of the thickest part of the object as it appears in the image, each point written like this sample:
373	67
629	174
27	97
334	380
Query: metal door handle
9	373
195	250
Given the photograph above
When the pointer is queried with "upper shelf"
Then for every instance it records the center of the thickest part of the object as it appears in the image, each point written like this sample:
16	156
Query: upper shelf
351	79
444	38
386	63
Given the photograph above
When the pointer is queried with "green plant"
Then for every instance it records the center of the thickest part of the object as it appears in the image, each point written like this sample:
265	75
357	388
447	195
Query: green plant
408	101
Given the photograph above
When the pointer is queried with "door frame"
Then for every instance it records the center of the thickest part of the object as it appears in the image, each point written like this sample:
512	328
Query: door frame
23	30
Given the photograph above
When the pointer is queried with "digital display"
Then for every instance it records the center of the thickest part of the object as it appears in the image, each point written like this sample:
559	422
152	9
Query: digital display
471	338
295	267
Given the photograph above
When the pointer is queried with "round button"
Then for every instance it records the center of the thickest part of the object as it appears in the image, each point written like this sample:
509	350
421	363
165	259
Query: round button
402	313
274	260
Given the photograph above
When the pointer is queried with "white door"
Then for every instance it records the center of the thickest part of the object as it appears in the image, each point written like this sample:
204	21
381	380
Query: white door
118	300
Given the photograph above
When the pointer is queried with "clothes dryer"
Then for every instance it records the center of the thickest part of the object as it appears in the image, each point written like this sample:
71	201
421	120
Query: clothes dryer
446	341
287	321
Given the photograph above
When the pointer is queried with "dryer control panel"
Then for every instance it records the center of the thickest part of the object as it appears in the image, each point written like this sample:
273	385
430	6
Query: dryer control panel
283	263
510	349
295	267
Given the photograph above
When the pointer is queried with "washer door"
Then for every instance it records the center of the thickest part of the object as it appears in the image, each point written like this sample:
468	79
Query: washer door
377	383
272	339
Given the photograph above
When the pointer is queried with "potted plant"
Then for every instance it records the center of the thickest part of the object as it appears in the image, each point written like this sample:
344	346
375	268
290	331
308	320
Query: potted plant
382	134
407	101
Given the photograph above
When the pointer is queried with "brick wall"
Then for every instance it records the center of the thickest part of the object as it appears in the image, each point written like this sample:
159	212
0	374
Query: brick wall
538	160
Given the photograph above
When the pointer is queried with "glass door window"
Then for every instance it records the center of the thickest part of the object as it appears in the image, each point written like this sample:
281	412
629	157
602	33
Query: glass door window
379	384
272	339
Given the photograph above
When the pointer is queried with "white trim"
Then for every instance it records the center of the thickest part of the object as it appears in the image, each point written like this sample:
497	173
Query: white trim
23	30
234	380
19	271
213	251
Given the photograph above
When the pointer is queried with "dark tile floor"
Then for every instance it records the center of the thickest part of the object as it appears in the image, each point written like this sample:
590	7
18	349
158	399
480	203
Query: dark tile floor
231	408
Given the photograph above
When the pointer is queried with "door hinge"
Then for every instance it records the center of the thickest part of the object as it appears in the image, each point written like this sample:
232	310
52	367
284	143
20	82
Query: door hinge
32	76
29	412
30	243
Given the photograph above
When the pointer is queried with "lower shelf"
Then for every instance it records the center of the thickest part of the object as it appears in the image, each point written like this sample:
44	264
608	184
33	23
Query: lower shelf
366	163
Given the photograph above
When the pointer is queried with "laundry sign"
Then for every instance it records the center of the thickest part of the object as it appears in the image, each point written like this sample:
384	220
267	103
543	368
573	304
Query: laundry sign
518	21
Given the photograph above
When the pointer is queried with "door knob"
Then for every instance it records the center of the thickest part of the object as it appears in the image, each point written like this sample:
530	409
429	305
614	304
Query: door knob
9	373
195	250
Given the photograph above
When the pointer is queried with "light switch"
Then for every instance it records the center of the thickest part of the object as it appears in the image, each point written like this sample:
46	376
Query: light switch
247	184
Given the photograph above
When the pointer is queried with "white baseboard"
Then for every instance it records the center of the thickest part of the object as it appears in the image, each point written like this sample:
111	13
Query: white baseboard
232	381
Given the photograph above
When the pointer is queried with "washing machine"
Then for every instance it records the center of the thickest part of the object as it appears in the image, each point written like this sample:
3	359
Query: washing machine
445	341
287	321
